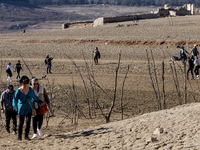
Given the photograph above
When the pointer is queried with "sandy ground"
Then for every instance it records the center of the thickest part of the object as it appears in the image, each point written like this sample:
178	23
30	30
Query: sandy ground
162	36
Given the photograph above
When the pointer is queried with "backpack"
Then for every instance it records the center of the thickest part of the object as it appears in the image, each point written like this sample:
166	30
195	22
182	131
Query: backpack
45	61
8	70
98	54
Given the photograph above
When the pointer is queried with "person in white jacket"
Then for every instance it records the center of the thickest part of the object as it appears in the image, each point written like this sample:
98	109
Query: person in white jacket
9	71
197	65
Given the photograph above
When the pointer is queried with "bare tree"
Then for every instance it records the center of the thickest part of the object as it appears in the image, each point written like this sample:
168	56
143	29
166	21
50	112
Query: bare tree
84	83
152	82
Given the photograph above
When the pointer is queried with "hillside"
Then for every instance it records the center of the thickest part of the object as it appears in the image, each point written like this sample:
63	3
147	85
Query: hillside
113	2
13	18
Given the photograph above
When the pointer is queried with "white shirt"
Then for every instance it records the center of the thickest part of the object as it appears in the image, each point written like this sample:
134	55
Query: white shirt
197	62
11	69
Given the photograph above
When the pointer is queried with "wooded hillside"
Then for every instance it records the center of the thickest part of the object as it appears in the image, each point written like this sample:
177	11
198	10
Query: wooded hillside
115	2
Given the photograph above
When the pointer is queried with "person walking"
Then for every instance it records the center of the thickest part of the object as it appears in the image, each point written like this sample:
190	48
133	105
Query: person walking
48	63
18	67
197	65
183	54
9	71
191	67
6	107
194	51
40	92
97	55
23	104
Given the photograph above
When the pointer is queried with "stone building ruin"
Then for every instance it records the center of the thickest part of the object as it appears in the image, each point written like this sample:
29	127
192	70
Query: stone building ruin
167	10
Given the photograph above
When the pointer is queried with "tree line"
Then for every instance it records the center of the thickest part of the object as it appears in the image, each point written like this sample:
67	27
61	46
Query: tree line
113	2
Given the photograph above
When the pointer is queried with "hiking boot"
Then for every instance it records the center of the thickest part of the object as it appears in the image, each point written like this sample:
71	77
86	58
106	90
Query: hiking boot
7	131
14	132
40	132
34	136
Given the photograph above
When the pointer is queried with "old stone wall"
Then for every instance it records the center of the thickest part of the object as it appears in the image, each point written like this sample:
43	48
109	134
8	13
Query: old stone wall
66	25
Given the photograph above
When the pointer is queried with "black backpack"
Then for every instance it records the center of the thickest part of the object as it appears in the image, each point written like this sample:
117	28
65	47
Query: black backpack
46	61
98	54
8	70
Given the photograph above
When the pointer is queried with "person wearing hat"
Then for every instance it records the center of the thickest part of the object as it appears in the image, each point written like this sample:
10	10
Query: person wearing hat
48	63
7	108
194	51
183	54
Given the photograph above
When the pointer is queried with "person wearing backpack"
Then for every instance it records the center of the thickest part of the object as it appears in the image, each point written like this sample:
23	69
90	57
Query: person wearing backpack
97	55
18	67
183	54
9	71
7	108
48	63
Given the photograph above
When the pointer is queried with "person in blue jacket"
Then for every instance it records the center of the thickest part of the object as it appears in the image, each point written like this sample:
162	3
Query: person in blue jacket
22	99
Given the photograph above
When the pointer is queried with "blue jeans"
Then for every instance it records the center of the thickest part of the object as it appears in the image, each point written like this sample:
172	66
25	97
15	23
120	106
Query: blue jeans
183	59
194	57
48	68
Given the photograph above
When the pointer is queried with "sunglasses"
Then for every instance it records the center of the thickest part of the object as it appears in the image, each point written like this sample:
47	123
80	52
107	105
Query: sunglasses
35	83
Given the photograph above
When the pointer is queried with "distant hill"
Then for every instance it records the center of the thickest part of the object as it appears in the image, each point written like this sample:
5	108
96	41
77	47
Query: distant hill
115	2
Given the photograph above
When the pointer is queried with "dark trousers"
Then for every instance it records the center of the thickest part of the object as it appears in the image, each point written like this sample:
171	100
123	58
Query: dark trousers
18	75
11	114
48	68
21	123
9	74
196	70
37	123
190	69
95	59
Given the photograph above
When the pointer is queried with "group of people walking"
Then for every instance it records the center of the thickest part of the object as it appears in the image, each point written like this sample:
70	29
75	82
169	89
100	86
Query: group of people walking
9	71
193	61
18	68
21	102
